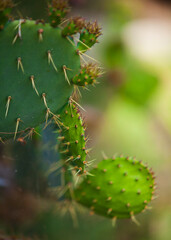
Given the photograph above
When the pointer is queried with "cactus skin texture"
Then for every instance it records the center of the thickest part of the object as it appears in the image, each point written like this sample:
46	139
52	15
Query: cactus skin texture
33	81
118	188
72	139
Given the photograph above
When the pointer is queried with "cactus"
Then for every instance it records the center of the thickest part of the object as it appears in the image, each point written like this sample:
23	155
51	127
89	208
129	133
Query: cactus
72	139
36	86
117	188
37	69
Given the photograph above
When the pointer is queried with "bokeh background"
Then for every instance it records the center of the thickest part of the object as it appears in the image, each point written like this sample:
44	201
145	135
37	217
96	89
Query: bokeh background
128	112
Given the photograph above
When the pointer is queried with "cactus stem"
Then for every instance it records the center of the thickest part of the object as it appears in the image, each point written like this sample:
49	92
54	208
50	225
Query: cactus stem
44	100
50	60
65	73
7	105
40	33
20	65
33	84
16	128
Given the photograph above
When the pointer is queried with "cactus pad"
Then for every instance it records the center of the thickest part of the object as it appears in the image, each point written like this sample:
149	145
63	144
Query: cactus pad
118	188
72	138
36	62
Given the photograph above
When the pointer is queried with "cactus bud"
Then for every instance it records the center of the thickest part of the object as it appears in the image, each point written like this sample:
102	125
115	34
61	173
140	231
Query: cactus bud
87	76
57	10
5	10
88	36
74	26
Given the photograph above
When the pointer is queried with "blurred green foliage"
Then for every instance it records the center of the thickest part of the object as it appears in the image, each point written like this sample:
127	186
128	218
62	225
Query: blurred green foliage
138	83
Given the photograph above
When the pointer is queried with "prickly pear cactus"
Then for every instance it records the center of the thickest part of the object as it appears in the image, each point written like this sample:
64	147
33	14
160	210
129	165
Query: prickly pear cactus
32	77
72	138
117	188
38	65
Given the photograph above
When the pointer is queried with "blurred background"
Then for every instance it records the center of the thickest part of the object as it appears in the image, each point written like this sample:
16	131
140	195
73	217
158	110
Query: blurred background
128	112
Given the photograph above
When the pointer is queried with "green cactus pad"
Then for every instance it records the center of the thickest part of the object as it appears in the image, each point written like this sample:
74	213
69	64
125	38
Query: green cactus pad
118	188
34	63
72	138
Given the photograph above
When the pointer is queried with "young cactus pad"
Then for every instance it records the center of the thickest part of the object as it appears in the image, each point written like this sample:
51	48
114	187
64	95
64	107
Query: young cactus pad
36	63
117	188
72	138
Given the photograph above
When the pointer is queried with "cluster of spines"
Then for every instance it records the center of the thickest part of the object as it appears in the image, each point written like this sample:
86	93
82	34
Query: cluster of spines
89	36
57	10
88	75
95	191
72	140
75	25
89	31
5	10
